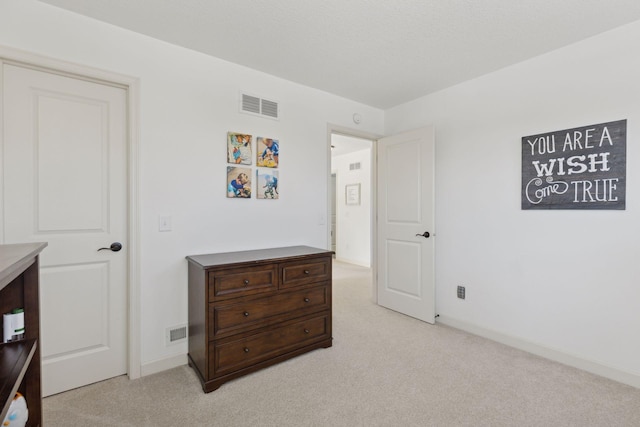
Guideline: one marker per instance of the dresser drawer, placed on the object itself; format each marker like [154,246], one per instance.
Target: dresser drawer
[243,281]
[234,354]
[226,318]
[303,272]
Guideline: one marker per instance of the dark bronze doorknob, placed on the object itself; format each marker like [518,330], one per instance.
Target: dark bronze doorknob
[425,234]
[115,247]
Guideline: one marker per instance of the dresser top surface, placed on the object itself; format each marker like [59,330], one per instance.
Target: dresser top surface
[271,254]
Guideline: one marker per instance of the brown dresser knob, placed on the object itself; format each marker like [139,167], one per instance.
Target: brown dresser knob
[246,349]
[306,299]
[246,314]
[306,331]
[246,282]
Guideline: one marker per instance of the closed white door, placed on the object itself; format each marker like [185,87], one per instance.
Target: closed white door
[65,183]
[405,268]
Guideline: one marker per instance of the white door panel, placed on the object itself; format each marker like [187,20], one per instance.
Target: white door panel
[405,212]
[59,207]
[403,183]
[87,283]
[403,281]
[65,180]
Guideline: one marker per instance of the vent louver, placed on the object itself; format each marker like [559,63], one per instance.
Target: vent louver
[270,108]
[250,104]
[258,106]
[354,166]
[176,334]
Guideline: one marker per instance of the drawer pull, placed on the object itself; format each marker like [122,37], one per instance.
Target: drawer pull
[246,349]
[306,299]
[307,272]
[246,282]
[306,331]
[246,314]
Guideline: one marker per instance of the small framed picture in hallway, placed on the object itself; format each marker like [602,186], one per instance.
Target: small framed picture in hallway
[352,194]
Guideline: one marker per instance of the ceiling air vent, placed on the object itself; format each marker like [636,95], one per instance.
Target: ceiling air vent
[258,106]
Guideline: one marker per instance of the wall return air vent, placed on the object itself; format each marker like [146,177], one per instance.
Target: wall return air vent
[258,106]
[176,334]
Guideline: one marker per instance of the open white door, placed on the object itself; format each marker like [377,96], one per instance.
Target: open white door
[405,191]
[65,183]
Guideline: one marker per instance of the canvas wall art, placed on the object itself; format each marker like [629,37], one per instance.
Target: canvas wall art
[268,152]
[238,182]
[577,168]
[267,184]
[239,148]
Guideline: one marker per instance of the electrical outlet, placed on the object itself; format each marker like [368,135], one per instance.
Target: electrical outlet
[461,292]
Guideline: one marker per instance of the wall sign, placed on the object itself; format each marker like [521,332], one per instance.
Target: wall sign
[579,168]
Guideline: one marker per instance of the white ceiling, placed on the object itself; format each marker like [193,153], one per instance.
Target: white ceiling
[378,52]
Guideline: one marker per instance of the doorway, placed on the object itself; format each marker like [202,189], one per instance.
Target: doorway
[351,198]
[393,275]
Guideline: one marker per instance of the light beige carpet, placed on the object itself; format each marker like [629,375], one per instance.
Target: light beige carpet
[384,369]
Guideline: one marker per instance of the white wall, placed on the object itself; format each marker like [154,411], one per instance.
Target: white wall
[564,283]
[188,103]
[353,222]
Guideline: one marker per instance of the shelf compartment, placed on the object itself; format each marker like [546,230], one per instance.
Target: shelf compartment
[15,358]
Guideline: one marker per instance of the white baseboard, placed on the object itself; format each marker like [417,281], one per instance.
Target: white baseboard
[615,374]
[163,364]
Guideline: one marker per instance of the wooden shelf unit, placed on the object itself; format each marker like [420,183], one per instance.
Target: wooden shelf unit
[20,363]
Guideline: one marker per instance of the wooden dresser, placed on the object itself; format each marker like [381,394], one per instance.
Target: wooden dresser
[252,309]
[20,360]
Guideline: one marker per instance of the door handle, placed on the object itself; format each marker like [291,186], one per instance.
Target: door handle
[425,235]
[115,247]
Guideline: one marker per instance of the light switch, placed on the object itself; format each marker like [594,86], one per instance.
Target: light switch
[164,223]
